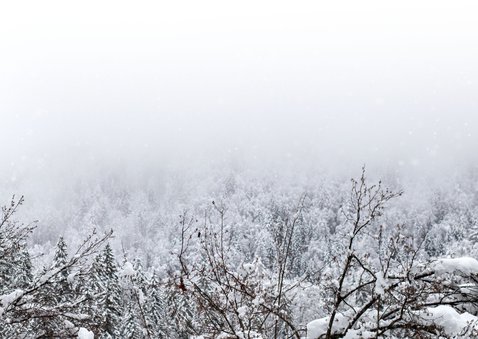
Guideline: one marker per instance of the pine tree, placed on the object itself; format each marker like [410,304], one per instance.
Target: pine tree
[129,328]
[15,270]
[110,292]
[139,293]
[104,294]
[25,276]
[180,310]
[155,308]
[57,291]
[15,273]
[60,286]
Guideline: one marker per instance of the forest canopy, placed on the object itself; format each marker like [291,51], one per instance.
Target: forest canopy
[344,261]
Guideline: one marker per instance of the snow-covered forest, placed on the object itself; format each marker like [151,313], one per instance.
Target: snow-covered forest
[262,169]
[249,259]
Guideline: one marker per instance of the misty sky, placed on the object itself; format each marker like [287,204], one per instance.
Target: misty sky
[335,83]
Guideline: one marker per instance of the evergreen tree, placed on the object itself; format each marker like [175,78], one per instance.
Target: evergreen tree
[56,291]
[60,285]
[155,308]
[107,284]
[129,328]
[16,273]
[15,270]
[25,276]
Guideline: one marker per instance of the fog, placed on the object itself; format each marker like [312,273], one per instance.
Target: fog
[238,169]
[153,87]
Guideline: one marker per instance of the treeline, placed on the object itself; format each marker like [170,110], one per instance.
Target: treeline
[325,265]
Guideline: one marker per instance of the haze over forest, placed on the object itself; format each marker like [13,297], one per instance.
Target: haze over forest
[256,86]
[111,113]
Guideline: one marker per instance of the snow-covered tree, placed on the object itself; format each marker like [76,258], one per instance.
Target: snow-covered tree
[40,304]
[105,290]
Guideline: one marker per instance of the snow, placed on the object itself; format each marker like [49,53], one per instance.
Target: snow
[249,268]
[242,311]
[257,301]
[469,289]
[48,275]
[71,277]
[68,324]
[318,327]
[7,299]
[83,333]
[77,316]
[464,265]
[245,269]
[128,270]
[359,334]
[240,335]
[381,284]
[453,323]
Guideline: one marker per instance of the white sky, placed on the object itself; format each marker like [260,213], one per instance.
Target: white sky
[330,82]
